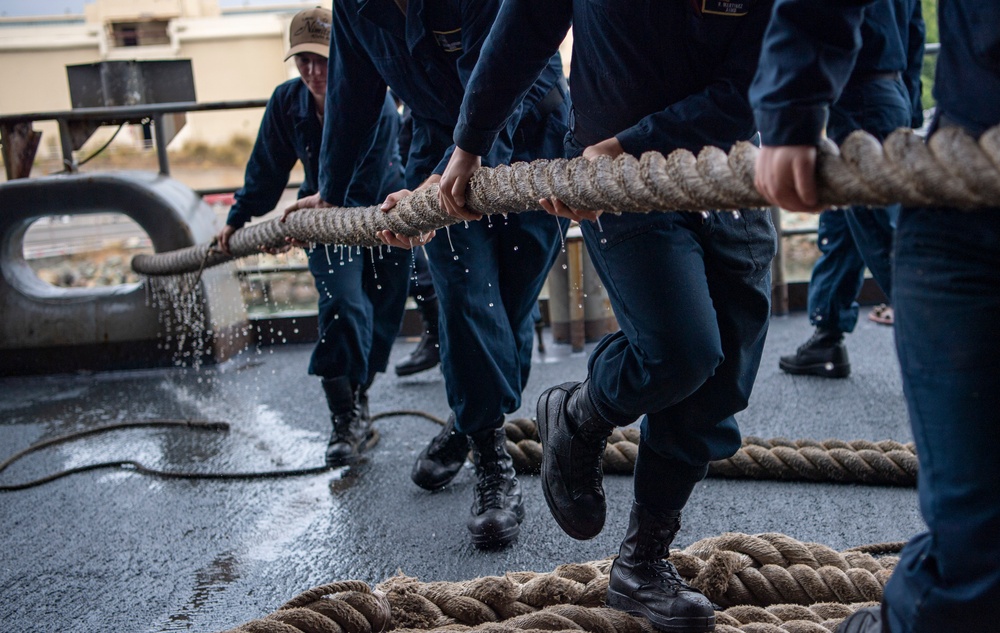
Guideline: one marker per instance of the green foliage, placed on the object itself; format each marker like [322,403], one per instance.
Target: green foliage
[930,18]
[927,75]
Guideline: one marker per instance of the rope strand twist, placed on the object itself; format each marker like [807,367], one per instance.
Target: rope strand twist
[771,583]
[950,169]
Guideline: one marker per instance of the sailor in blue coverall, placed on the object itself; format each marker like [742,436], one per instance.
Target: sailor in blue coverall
[946,289]
[426,354]
[487,274]
[882,94]
[362,296]
[691,291]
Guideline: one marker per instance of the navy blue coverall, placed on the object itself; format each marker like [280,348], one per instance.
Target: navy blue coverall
[361,303]
[947,295]
[487,274]
[691,292]
[882,94]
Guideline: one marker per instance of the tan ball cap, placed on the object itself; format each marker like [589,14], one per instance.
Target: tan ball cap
[310,32]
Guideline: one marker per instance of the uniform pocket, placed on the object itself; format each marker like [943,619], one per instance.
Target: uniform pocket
[745,242]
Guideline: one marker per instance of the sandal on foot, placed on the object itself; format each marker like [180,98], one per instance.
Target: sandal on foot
[882,314]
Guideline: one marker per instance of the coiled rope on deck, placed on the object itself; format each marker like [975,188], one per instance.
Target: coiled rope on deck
[950,169]
[885,462]
[770,583]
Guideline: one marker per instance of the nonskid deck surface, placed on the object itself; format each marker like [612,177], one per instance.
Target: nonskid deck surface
[131,552]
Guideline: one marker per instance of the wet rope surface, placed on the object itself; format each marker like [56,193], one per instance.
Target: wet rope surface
[767,583]
[950,169]
[886,462]
[860,461]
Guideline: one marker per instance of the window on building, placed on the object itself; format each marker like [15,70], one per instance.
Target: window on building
[146,33]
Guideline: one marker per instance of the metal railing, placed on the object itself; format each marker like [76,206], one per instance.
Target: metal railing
[20,140]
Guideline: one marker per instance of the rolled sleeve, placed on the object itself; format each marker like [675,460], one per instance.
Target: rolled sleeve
[475,141]
[800,125]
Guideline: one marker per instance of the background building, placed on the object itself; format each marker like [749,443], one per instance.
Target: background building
[235,54]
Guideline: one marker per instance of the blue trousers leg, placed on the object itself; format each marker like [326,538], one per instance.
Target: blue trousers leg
[361,301]
[487,276]
[947,335]
[836,276]
[692,297]
[872,231]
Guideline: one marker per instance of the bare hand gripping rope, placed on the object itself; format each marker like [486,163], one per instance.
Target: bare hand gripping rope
[950,169]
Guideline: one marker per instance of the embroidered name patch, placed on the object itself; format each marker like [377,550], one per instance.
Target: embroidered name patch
[313,29]
[726,7]
[449,41]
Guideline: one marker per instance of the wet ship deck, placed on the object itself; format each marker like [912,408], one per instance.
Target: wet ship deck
[113,550]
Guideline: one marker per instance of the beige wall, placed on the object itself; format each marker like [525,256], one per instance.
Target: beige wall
[103,10]
[232,57]
[34,80]
[238,69]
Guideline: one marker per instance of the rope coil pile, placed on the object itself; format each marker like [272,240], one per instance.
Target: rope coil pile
[768,583]
[886,462]
[950,169]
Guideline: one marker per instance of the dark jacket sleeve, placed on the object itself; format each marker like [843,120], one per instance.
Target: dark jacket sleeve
[808,54]
[526,34]
[270,163]
[915,63]
[355,93]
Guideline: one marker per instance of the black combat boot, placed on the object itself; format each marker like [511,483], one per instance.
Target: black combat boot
[867,620]
[643,583]
[352,431]
[573,438]
[441,460]
[497,511]
[362,399]
[363,410]
[822,355]
[426,355]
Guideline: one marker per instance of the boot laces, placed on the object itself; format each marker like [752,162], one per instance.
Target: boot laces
[666,575]
[587,461]
[449,445]
[442,439]
[490,487]
[347,426]
[818,339]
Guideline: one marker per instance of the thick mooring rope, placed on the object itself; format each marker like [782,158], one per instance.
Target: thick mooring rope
[859,461]
[886,462]
[950,169]
[771,583]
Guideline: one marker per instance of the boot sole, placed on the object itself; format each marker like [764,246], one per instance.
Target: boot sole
[622,602]
[498,540]
[823,370]
[409,371]
[541,419]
